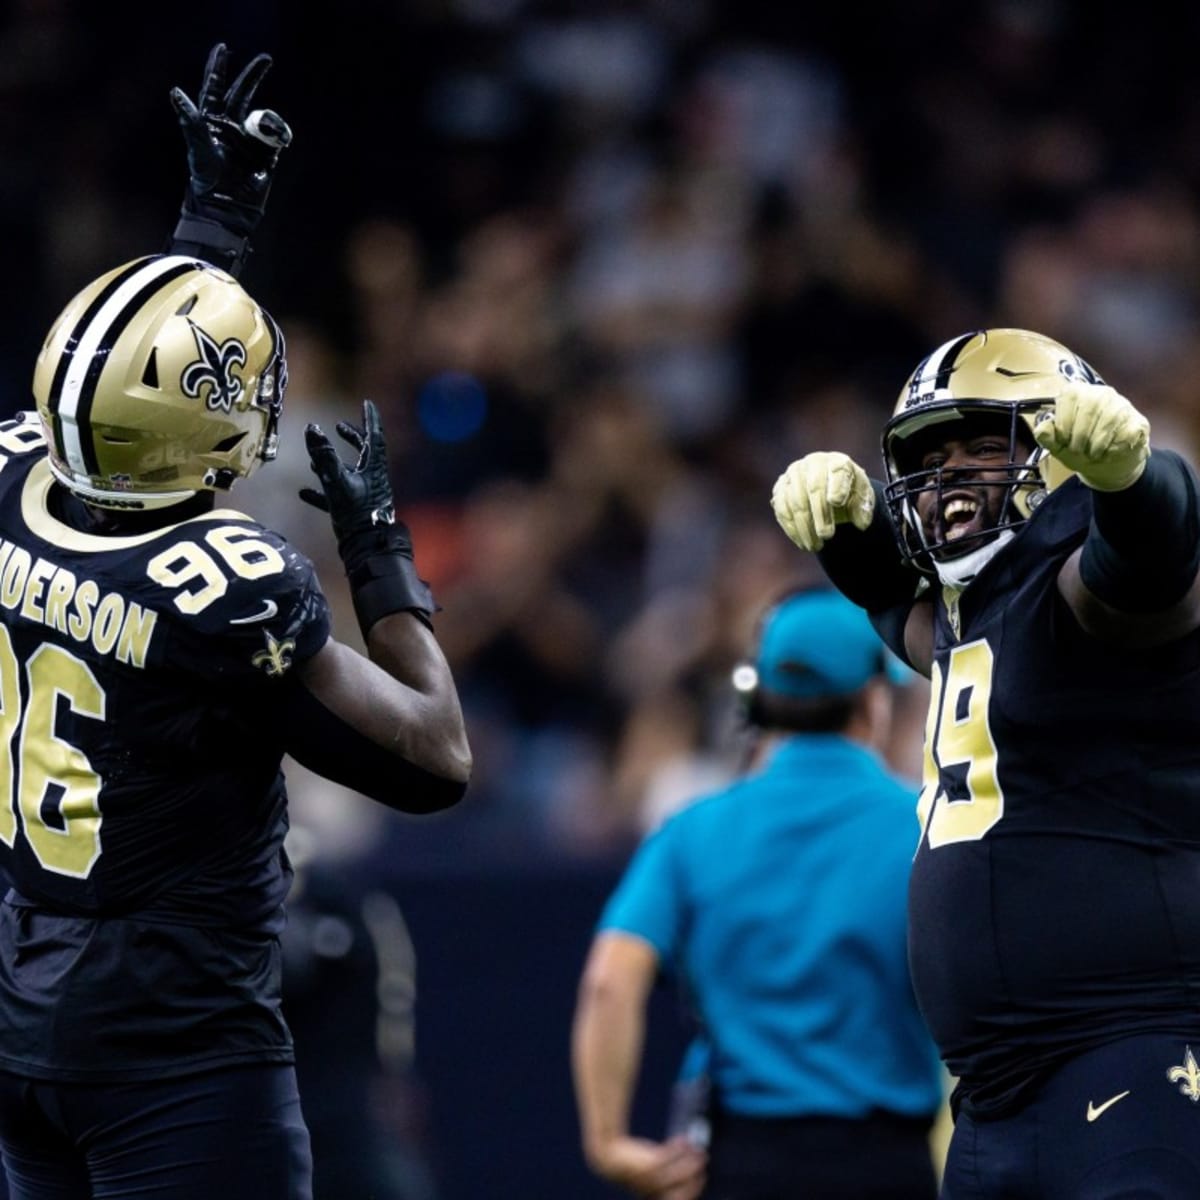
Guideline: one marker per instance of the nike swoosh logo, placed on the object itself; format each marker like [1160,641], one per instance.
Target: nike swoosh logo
[1097,1110]
[270,608]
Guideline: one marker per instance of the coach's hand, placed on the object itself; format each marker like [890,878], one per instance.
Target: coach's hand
[232,149]
[819,492]
[1098,434]
[670,1170]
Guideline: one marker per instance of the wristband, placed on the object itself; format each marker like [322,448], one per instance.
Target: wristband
[209,240]
[388,583]
[383,577]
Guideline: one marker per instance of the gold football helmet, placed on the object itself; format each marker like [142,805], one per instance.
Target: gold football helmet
[160,379]
[999,377]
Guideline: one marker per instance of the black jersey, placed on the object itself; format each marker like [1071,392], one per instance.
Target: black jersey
[1055,895]
[142,810]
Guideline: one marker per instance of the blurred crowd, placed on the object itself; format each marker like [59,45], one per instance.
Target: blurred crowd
[608,267]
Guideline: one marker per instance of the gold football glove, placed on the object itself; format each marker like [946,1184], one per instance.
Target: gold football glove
[1098,434]
[819,492]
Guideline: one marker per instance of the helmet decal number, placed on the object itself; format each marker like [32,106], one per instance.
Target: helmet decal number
[214,371]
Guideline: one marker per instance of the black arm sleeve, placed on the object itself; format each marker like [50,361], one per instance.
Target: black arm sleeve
[865,565]
[1142,550]
[321,741]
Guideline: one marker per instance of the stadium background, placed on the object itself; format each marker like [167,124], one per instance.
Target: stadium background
[607,268]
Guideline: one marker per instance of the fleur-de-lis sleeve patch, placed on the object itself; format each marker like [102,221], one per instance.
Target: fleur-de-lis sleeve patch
[213,372]
[277,657]
[1187,1076]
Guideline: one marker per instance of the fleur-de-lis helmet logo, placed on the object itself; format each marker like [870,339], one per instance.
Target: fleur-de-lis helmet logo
[213,372]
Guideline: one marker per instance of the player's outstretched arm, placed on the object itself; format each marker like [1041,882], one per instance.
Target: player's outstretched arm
[1135,577]
[827,505]
[232,151]
[607,1038]
[389,726]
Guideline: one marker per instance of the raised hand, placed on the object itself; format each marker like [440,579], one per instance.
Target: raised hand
[357,496]
[232,149]
[1095,432]
[819,492]
[375,547]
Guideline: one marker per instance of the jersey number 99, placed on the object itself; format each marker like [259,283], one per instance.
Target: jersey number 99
[957,734]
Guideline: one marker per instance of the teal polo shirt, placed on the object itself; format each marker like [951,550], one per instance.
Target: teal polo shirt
[779,904]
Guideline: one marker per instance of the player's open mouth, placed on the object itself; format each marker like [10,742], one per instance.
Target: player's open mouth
[961,515]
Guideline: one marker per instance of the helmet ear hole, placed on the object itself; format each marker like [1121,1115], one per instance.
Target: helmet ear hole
[223,447]
[150,374]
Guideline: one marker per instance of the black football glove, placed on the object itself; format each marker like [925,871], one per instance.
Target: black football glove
[358,498]
[375,547]
[232,154]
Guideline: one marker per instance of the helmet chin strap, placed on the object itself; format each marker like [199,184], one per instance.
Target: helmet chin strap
[958,572]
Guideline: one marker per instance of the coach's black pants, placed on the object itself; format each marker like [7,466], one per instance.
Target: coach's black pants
[815,1158]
